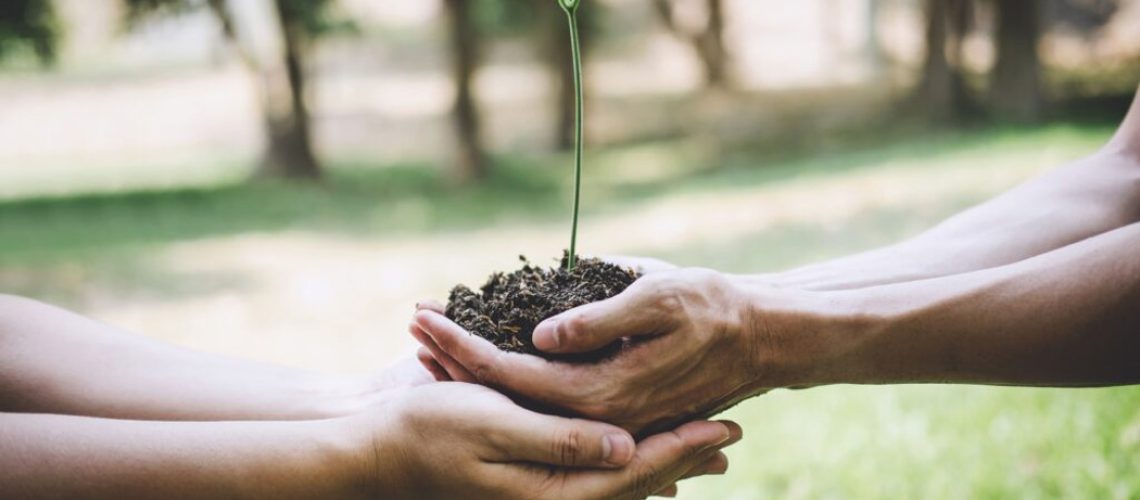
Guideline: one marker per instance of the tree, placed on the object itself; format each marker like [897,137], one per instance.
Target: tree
[282,79]
[466,44]
[29,24]
[290,150]
[941,93]
[1015,88]
[873,47]
[707,40]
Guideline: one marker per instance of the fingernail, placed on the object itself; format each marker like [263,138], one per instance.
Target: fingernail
[617,449]
[734,431]
[723,438]
[716,469]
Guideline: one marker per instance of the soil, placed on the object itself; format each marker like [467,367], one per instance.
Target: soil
[509,306]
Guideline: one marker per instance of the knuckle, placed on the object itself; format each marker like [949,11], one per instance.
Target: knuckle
[669,300]
[665,293]
[569,447]
[574,326]
[486,372]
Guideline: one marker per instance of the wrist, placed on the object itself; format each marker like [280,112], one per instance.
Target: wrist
[335,397]
[339,461]
[795,338]
[377,441]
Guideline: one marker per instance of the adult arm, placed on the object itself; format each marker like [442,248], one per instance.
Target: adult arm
[54,361]
[1070,317]
[1085,198]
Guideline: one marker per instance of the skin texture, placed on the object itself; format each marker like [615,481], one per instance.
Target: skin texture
[90,411]
[54,361]
[1039,286]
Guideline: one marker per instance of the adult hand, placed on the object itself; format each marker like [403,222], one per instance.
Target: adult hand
[453,440]
[689,351]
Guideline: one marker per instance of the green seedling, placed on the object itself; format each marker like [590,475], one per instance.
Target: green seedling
[571,8]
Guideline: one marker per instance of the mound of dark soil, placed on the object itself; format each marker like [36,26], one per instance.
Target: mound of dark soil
[509,306]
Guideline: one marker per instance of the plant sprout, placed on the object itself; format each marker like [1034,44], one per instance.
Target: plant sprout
[571,8]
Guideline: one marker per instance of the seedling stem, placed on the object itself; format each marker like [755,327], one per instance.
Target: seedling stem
[571,8]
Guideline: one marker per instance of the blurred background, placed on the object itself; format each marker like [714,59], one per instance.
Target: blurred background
[283,179]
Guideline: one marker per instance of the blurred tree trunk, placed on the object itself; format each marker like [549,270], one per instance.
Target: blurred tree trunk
[1015,91]
[707,42]
[290,152]
[876,58]
[465,48]
[942,93]
[711,47]
[556,47]
[285,114]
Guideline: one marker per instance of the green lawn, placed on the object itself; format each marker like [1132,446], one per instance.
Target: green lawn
[834,442]
[935,442]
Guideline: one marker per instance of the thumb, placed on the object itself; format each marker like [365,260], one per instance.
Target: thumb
[641,310]
[564,442]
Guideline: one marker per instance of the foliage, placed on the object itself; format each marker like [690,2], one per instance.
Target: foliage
[139,10]
[393,200]
[29,24]
[505,17]
[315,17]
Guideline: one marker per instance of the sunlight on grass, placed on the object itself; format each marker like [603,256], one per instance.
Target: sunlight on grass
[933,442]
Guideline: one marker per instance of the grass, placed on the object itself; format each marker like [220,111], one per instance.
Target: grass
[835,442]
[934,442]
[393,200]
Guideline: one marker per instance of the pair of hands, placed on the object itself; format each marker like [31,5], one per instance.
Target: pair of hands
[691,351]
[460,440]
[456,440]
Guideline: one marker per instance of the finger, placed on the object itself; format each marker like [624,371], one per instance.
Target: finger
[527,436]
[429,363]
[520,373]
[715,465]
[430,305]
[660,460]
[454,370]
[735,431]
[668,492]
[642,309]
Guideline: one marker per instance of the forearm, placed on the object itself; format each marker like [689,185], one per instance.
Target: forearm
[53,361]
[52,456]
[1070,317]
[1086,198]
